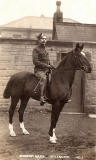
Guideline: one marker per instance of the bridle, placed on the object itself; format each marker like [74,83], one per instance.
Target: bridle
[81,67]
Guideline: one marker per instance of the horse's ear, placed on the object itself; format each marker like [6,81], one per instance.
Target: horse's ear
[82,46]
[79,45]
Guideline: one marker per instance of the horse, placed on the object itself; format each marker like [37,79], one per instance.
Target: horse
[21,87]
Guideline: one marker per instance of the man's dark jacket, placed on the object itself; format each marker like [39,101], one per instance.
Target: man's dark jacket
[40,59]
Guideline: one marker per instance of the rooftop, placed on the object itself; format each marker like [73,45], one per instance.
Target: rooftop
[34,22]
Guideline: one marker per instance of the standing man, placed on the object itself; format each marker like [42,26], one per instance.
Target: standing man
[41,62]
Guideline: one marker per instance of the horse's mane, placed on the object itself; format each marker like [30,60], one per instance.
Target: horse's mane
[62,62]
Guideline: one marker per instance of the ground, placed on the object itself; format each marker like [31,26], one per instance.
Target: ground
[76,137]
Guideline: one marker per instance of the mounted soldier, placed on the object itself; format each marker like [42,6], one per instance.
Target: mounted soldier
[21,85]
[42,63]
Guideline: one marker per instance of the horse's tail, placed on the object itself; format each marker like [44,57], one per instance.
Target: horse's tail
[7,90]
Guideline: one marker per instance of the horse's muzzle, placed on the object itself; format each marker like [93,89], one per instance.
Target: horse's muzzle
[87,69]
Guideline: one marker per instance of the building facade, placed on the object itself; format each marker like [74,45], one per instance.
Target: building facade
[16,46]
[84,88]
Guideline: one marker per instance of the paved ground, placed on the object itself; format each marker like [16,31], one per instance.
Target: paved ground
[76,137]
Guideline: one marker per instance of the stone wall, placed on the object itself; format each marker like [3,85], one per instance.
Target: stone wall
[90,80]
[23,33]
[16,56]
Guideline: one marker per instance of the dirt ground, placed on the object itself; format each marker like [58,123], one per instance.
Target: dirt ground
[76,138]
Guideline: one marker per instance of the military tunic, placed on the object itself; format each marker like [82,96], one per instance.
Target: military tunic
[40,59]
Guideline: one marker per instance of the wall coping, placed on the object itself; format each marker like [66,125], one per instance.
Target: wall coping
[49,42]
[13,29]
[76,24]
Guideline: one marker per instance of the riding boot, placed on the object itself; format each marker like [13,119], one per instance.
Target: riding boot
[42,100]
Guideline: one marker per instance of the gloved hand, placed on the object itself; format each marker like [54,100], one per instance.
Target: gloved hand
[51,67]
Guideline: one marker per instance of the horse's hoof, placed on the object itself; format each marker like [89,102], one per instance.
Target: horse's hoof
[26,132]
[52,140]
[13,134]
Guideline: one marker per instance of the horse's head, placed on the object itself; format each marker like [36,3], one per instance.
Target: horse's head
[80,60]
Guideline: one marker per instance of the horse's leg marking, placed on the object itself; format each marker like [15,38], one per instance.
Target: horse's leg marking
[54,135]
[12,133]
[23,128]
[53,138]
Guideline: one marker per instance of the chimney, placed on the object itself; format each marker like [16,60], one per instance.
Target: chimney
[57,18]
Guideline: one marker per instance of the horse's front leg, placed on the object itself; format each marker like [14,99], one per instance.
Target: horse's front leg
[53,138]
[56,109]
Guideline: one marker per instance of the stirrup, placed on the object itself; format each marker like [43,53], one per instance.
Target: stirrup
[42,101]
[68,101]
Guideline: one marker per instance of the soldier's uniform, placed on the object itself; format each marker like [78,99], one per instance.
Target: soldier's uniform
[41,61]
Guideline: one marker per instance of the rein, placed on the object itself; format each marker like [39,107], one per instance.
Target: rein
[69,69]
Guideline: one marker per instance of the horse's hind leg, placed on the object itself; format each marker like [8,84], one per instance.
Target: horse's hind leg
[14,101]
[24,101]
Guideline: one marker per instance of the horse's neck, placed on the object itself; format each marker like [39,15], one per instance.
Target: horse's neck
[66,76]
[65,72]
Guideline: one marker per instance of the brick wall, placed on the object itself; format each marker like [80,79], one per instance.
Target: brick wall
[16,56]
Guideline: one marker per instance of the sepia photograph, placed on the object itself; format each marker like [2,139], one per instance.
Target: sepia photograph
[47,79]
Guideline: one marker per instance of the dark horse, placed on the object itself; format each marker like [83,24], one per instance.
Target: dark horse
[21,87]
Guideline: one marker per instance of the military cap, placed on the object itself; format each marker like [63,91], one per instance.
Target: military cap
[41,35]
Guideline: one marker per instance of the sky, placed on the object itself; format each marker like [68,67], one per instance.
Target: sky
[83,11]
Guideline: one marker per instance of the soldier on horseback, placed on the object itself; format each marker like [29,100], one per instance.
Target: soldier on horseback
[42,63]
